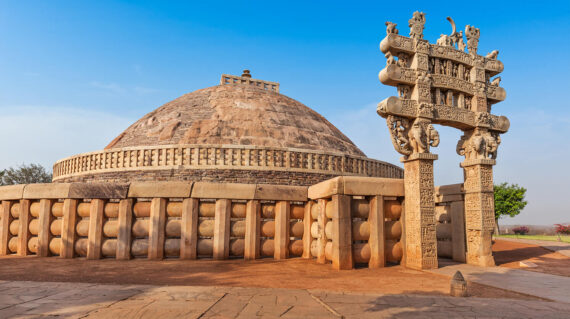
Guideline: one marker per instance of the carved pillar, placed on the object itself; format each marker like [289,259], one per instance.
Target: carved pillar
[479,210]
[421,242]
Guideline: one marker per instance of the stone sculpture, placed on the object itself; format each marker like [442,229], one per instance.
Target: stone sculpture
[472,35]
[442,84]
[391,28]
[416,24]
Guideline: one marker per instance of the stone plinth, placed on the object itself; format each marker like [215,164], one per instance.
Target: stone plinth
[479,210]
[421,241]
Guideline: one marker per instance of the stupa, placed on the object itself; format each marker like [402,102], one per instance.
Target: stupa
[240,131]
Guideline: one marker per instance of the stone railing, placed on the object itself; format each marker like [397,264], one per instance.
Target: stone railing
[450,221]
[153,220]
[242,80]
[355,220]
[186,220]
[221,157]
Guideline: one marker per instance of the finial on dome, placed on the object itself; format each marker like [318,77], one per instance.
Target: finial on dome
[246,74]
[245,79]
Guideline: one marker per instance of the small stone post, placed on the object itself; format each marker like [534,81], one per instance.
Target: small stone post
[458,285]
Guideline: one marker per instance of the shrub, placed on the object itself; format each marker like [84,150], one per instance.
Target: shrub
[562,229]
[522,230]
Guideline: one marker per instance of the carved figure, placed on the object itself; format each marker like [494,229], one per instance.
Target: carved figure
[422,135]
[398,131]
[391,28]
[496,81]
[416,24]
[460,42]
[389,58]
[493,141]
[402,60]
[433,136]
[493,55]
[478,144]
[404,91]
[472,35]
[449,40]
[418,138]
[444,40]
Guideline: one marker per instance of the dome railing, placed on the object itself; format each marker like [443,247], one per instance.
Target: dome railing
[239,157]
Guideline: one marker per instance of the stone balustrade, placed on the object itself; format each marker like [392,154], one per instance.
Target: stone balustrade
[355,220]
[187,220]
[204,157]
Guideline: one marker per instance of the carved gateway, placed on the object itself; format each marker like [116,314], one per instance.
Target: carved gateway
[445,83]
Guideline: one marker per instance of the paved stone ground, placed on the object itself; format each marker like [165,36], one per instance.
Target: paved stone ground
[559,247]
[545,286]
[22,299]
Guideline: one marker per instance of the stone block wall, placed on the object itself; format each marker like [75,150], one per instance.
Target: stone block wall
[450,222]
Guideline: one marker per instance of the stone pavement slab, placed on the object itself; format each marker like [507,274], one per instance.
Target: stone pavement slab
[559,247]
[545,286]
[80,300]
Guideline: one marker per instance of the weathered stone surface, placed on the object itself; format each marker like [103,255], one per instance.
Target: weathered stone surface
[237,115]
[12,192]
[46,191]
[356,185]
[223,190]
[98,190]
[160,189]
[281,192]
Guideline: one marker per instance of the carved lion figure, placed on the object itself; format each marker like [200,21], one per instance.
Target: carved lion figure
[493,55]
[391,28]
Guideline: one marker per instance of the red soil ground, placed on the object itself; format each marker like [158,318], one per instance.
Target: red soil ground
[291,273]
[509,254]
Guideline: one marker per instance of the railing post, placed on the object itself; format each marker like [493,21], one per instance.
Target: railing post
[189,229]
[252,230]
[68,232]
[322,240]
[221,249]
[377,237]
[156,232]
[341,233]
[5,227]
[124,237]
[44,233]
[307,223]
[95,237]
[282,227]
[24,230]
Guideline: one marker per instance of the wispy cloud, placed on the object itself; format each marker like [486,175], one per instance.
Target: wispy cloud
[44,134]
[144,91]
[112,87]
[118,89]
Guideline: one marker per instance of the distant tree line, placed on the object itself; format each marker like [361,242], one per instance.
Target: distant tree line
[25,174]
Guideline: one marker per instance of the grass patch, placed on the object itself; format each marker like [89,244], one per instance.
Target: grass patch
[563,238]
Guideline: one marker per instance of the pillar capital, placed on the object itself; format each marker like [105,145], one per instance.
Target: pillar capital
[473,162]
[419,156]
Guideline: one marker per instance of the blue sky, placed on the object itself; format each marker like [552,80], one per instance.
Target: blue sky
[74,74]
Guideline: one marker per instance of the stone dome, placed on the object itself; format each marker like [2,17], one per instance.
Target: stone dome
[236,115]
[241,131]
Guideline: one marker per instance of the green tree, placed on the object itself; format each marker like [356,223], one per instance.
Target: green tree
[25,174]
[509,201]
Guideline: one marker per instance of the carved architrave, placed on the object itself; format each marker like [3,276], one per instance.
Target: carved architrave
[442,84]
